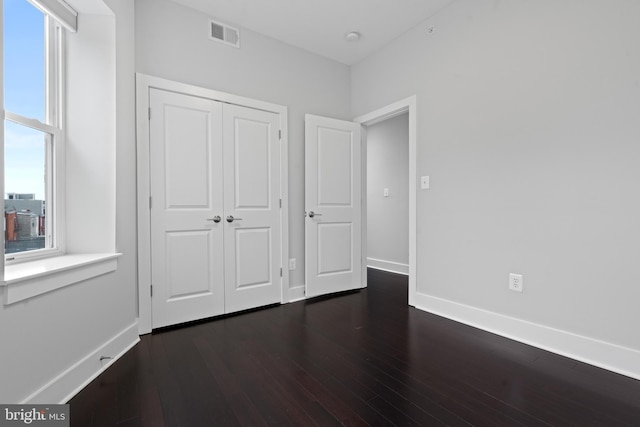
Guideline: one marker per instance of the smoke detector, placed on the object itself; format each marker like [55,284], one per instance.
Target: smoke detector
[352,36]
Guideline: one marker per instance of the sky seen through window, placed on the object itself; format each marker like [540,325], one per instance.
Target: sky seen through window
[24,94]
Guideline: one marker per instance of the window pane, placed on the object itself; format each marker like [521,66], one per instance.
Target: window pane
[25,185]
[24,59]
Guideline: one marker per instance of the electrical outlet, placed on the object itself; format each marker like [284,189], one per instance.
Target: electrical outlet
[516,283]
[292,264]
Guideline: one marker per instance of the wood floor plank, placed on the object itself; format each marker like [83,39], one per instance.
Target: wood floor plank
[244,410]
[290,371]
[357,358]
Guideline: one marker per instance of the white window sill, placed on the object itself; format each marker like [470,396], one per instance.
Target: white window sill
[32,278]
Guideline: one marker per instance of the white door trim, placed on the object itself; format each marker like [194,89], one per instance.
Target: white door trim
[387,112]
[143,84]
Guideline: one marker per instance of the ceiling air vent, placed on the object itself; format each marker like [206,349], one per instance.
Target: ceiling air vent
[224,33]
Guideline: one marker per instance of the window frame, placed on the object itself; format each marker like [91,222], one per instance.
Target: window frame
[37,273]
[54,153]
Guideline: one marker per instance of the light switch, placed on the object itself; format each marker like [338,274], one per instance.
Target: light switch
[424,182]
[385,192]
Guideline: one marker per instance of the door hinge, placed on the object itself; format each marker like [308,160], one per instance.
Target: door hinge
[151,288]
[280,271]
[149,202]
[280,203]
[280,134]
[149,113]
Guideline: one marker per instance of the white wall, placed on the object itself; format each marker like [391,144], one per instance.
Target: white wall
[388,217]
[51,343]
[172,42]
[125,148]
[91,63]
[528,126]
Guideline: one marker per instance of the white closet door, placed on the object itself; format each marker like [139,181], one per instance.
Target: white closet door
[187,195]
[333,225]
[252,208]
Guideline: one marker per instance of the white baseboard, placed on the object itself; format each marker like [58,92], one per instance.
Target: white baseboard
[69,382]
[622,360]
[393,267]
[297,293]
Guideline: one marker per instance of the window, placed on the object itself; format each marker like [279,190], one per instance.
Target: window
[32,129]
[59,153]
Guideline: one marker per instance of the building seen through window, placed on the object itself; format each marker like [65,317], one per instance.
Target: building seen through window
[24,222]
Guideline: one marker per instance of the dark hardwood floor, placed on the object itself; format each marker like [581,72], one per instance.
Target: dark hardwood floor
[362,358]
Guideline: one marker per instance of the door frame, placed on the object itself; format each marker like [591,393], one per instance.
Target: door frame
[406,105]
[144,83]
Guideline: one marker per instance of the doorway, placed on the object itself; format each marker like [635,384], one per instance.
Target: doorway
[404,106]
[341,147]
[215,215]
[387,147]
[212,203]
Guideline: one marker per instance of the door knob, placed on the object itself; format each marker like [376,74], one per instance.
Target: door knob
[312,214]
[215,219]
[230,219]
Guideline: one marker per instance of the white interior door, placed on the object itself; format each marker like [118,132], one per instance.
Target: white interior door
[333,224]
[186,242]
[252,208]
